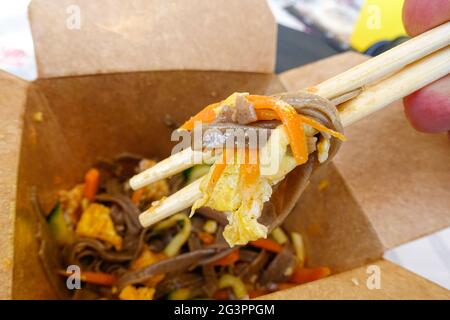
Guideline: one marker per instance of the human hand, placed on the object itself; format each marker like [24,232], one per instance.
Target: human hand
[428,109]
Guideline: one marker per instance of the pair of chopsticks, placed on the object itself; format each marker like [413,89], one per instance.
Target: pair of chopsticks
[357,92]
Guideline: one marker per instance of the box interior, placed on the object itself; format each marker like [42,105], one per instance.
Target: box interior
[88,118]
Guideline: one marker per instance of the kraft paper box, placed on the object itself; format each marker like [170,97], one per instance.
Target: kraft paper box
[108,85]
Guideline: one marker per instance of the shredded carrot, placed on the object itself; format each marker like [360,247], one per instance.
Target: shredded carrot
[319,127]
[267,115]
[100,278]
[219,167]
[207,115]
[290,120]
[91,183]
[229,259]
[221,294]
[249,172]
[206,237]
[267,244]
[304,275]
[137,195]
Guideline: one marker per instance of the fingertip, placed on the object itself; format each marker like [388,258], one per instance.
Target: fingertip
[428,109]
[420,16]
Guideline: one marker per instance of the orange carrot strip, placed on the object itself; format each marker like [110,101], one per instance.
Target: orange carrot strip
[100,278]
[291,121]
[267,244]
[219,167]
[229,259]
[207,115]
[266,115]
[249,172]
[137,195]
[296,135]
[206,237]
[91,183]
[304,275]
[316,125]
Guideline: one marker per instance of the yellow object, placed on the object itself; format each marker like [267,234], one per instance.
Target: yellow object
[180,238]
[132,293]
[210,226]
[180,294]
[299,247]
[96,223]
[279,236]
[230,281]
[242,212]
[378,20]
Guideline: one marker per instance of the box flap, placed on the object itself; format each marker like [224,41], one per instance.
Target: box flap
[12,104]
[399,177]
[395,283]
[142,35]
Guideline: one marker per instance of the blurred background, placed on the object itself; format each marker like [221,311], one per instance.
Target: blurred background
[308,30]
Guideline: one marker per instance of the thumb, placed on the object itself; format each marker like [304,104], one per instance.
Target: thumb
[428,109]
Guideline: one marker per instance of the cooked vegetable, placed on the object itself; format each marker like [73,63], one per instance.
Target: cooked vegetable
[95,222]
[59,228]
[290,120]
[180,294]
[229,259]
[210,226]
[180,239]
[230,281]
[196,172]
[137,195]
[267,244]
[207,115]
[100,278]
[133,293]
[206,237]
[304,275]
[279,236]
[91,183]
[299,247]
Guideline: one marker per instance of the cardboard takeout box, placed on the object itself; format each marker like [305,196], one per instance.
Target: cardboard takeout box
[109,87]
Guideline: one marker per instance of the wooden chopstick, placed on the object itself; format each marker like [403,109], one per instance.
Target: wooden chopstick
[177,202]
[385,64]
[342,87]
[170,166]
[371,99]
[397,86]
